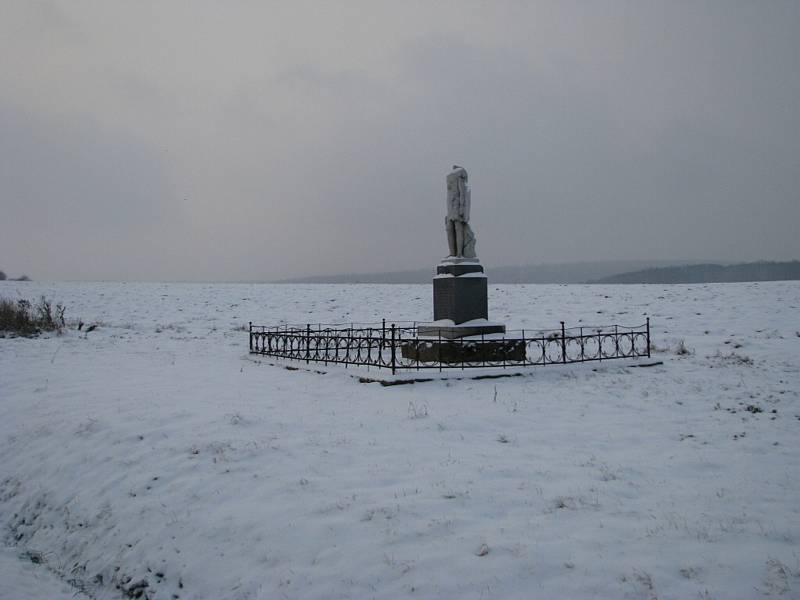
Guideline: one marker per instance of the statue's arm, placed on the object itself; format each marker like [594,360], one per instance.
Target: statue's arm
[462,197]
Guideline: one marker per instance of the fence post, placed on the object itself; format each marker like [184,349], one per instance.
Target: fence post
[251,337]
[393,350]
[439,346]
[383,338]
[600,345]
[648,337]
[308,342]
[563,344]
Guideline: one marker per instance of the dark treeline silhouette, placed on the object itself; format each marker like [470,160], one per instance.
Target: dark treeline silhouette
[572,272]
[711,273]
[3,277]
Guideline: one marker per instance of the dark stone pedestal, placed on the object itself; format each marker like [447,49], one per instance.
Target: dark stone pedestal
[447,332]
[460,294]
[464,351]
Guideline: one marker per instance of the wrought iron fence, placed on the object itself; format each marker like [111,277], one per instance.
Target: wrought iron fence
[399,346]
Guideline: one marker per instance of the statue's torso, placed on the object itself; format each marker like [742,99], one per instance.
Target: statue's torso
[457,196]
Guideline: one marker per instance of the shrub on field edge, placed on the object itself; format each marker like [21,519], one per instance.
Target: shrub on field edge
[22,317]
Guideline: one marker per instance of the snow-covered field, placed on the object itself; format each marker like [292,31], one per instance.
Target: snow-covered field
[154,450]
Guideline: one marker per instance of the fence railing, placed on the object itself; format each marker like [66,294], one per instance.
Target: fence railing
[398,346]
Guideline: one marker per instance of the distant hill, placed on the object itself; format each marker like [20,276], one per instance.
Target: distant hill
[575,272]
[710,273]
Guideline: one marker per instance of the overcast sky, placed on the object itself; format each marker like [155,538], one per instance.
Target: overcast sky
[253,141]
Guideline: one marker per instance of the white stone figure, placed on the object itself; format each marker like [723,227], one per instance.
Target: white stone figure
[460,237]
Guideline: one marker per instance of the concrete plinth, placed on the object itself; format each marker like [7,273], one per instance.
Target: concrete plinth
[464,351]
[451,332]
[460,293]
[460,301]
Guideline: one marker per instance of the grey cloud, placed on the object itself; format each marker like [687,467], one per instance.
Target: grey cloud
[77,172]
[257,142]
[74,193]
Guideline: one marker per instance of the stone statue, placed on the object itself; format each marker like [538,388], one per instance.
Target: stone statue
[460,237]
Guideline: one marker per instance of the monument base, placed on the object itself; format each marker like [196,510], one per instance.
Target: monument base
[463,351]
[460,301]
[446,329]
[460,291]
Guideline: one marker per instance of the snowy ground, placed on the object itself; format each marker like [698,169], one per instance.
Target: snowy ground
[21,579]
[155,450]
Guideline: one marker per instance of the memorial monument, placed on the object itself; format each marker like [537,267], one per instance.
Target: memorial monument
[460,287]
[461,336]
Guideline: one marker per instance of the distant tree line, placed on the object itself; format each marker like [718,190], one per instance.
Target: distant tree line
[3,277]
[711,273]
[568,272]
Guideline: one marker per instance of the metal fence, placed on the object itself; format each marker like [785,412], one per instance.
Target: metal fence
[398,346]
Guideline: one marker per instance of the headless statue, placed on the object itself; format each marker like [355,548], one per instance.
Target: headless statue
[460,237]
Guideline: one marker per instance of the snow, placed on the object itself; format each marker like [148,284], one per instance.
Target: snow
[155,449]
[459,260]
[451,323]
[447,275]
[20,579]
